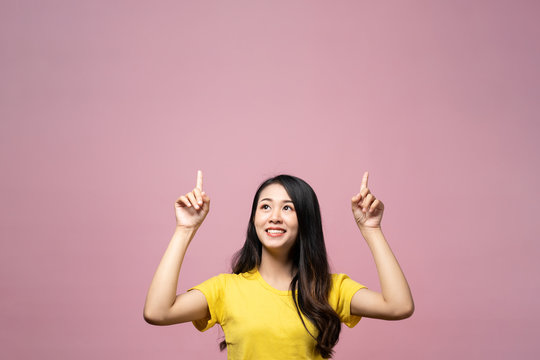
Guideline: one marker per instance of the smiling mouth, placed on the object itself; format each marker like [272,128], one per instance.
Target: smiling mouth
[274,233]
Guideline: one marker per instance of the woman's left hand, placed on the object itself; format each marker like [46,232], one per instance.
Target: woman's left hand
[367,210]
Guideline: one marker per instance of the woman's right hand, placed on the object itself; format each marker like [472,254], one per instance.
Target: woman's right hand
[191,208]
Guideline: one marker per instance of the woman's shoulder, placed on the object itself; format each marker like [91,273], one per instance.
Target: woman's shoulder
[341,280]
[339,276]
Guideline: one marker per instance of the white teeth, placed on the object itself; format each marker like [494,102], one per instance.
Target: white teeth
[275,231]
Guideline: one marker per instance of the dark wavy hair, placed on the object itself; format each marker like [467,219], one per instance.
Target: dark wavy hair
[312,279]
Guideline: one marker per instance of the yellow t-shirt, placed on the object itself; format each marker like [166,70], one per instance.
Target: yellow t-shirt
[261,322]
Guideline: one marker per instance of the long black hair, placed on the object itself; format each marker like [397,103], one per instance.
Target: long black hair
[312,279]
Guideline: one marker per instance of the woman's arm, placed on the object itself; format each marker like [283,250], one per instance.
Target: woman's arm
[163,306]
[395,302]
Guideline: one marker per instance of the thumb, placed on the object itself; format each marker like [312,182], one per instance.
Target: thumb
[206,198]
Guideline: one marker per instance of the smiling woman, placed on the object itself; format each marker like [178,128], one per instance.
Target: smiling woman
[275,220]
[280,301]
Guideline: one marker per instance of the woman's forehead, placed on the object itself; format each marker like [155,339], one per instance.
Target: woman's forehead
[274,192]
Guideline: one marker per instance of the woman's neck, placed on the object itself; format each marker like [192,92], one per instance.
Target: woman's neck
[276,269]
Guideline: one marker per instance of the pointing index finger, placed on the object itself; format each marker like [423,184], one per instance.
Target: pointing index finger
[364,181]
[199,180]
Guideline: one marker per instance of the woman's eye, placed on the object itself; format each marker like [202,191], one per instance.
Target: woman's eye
[287,207]
[265,207]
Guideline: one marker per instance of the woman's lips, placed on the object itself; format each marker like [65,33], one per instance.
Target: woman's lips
[275,233]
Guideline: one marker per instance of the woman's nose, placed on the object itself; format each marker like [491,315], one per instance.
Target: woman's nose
[276,215]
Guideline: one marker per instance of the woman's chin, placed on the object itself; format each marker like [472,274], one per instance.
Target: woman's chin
[276,246]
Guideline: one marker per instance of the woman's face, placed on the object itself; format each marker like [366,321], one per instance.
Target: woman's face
[275,219]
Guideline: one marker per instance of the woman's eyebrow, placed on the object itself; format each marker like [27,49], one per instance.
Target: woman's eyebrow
[283,201]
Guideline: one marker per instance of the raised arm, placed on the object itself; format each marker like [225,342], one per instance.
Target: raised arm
[163,306]
[395,302]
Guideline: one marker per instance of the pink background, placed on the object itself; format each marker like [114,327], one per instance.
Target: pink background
[108,108]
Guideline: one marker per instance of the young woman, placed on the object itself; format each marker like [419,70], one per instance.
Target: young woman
[281,301]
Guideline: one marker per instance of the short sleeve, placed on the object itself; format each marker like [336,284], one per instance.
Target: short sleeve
[343,289]
[213,292]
